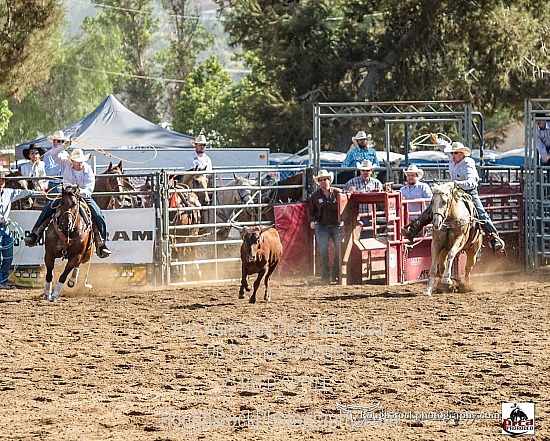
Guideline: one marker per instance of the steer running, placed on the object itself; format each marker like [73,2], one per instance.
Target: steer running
[260,253]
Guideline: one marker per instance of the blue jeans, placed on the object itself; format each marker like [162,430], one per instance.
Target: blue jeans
[323,233]
[6,254]
[97,215]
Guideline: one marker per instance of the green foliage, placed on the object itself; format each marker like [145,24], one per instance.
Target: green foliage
[28,42]
[75,87]
[5,115]
[356,50]
[198,110]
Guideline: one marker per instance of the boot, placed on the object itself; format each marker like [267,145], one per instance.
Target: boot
[411,230]
[101,247]
[32,240]
[496,242]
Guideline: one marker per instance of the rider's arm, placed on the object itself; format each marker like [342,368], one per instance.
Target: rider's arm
[89,183]
[468,175]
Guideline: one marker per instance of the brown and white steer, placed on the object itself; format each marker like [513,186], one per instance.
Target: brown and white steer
[261,251]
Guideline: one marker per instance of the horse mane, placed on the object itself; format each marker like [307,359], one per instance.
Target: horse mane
[450,189]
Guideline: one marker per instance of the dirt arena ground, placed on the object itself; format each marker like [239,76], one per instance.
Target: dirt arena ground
[197,363]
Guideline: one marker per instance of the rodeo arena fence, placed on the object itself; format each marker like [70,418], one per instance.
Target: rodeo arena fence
[169,238]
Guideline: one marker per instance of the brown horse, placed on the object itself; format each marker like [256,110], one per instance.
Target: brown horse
[185,217]
[69,236]
[197,182]
[107,183]
[290,189]
[455,229]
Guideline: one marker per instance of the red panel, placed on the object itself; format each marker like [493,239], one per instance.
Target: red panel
[296,236]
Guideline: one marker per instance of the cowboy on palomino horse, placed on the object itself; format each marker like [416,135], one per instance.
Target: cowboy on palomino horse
[464,175]
[75,172]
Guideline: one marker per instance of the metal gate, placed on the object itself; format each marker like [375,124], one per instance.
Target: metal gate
[537,189]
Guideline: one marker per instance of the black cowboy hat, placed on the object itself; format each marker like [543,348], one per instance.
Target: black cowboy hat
[31,147]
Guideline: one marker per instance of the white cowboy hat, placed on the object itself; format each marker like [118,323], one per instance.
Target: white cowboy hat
[200,139]
[361,135]
[77,155]
[323,174]
[365,165]
[59,135]
[458,147]
[414,169]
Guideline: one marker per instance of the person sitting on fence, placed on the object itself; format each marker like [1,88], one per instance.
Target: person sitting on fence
[415,189]
[464,174]
[543,141]
[362,151]
[198,160]
[75,172]
[35,167]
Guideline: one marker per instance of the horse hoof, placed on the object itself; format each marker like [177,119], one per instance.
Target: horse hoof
[267,297]
[71,283]
[252,300]
[241,295]
[428,293]
[54,297]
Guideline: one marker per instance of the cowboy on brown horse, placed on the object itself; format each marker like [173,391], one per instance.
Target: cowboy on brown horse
[75,172]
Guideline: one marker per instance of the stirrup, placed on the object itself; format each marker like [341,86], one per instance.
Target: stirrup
[103,252]
[497,243]
[32,240]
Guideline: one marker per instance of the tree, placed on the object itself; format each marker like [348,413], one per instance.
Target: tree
[78,83]
[5,115]
[186,38]
[200,104]
[134,21]
[356,50]
[28,41]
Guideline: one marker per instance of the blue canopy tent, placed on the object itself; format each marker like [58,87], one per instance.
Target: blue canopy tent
[111,125]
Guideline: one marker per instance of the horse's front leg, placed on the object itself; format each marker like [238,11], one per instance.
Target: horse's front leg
[49,262]
[433,271]
[451,254]
[74,277]
[71,264]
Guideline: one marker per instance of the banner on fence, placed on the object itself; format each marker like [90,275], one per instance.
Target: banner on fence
[131,237]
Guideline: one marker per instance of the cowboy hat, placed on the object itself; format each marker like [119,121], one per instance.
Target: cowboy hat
[365,165]
[323,174]
[361,135]
[77,155]
[200,139]
[414,169]
[458,147]
[59,135]
[26,151]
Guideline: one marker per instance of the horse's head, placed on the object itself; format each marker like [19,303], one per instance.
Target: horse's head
[115,184]
[67,211]
[198,182]
[245,195]
[443,197]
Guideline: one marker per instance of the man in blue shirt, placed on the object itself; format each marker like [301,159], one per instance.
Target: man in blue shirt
[362,151]
[543,141]
[414,189]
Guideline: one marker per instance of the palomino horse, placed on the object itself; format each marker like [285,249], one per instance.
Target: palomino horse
[184,221]
[114,184]
[69,236]
[239,191]
[455,229]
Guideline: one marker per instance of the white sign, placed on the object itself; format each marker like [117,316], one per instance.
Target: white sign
[130,236]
